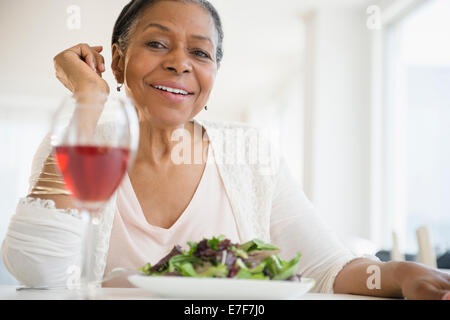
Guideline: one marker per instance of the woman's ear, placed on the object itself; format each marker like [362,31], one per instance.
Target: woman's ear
[117,63]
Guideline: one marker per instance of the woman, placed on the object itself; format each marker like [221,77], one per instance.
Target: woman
[166,54]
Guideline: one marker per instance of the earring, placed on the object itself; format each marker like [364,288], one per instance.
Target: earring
[119,87]
[206,107]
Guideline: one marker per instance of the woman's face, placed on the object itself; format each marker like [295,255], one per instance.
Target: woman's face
[172,47]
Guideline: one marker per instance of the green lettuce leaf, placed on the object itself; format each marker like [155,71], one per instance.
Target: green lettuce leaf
[219,271]
[192,247]
[215,241]
[257,244]
[247,274]
[176,261]
[186,269]
[273,264]
[288,269]
[146,268]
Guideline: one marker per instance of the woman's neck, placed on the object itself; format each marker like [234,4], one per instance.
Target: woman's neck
[157,144]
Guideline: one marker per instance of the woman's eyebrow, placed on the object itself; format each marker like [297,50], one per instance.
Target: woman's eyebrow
[165,29]
[199,37]
[157,25]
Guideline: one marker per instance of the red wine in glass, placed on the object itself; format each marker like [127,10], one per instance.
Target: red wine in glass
[95,139]
[92,173]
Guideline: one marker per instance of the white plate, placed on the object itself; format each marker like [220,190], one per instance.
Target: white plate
[218,288]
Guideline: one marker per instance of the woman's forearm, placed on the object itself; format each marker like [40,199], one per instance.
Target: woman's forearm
[49,187]
[368,277]
[42,246]
[393,279]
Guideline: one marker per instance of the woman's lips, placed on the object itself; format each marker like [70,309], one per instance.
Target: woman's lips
[174,97]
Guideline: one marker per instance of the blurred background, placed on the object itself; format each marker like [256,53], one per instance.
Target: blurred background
[356,93]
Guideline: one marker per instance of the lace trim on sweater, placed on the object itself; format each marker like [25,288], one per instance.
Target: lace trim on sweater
[48,204]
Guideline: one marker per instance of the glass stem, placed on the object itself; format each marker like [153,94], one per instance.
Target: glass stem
[88,280]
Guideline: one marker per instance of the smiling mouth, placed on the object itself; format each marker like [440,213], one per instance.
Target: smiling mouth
[172,90]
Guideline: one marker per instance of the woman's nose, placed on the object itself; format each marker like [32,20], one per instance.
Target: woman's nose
[177,61]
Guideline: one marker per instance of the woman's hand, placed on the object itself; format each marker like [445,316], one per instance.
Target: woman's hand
[80,68]
[418,281]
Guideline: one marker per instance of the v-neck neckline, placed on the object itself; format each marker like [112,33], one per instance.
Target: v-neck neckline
[186,211]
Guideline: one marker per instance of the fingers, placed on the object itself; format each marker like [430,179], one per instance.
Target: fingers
[92,57]
[97,48]
[446,296]
[73,65]
[88,56]
[100,62]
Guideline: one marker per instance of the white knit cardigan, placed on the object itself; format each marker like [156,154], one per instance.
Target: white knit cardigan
[43,242]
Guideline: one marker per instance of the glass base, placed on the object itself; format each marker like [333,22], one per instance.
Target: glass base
[91,206]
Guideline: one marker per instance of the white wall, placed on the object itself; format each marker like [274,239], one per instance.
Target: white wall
[337,104]
[33,32]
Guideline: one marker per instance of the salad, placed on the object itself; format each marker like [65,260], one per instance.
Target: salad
[218,257]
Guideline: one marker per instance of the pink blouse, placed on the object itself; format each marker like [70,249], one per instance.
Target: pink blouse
[134,241]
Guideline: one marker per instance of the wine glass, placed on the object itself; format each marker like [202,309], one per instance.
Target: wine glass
[95,139]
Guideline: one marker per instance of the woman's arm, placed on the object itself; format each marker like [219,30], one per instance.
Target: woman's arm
[295,227]
[79,69]
[392,279]
[49,185]
[42,244]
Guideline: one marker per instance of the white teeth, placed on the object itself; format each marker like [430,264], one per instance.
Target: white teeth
[179,91]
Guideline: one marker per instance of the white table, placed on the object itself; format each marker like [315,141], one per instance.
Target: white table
[10,293]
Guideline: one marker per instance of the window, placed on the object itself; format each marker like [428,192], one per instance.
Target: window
[416,133]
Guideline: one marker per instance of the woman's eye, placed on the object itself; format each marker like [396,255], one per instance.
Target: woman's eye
[201,54]
[155,44]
